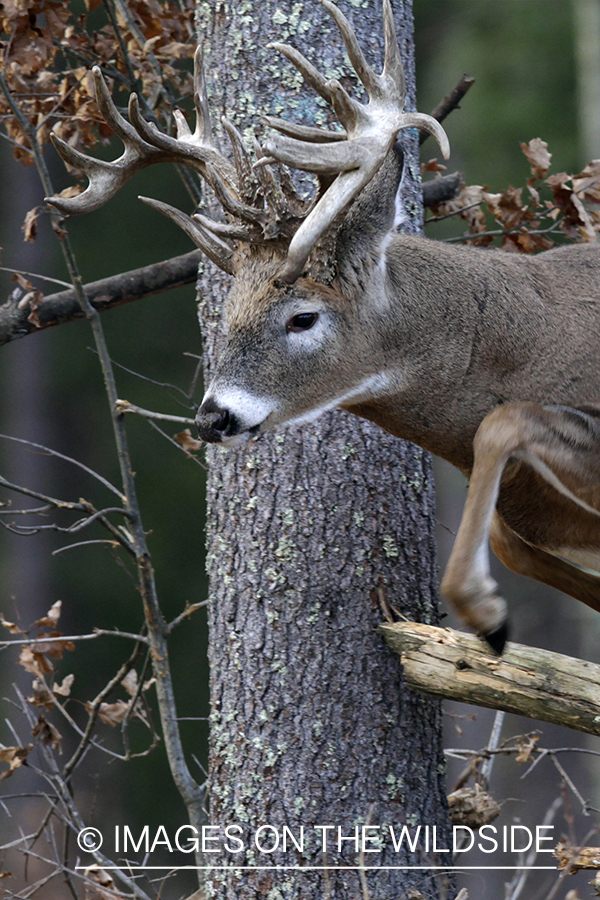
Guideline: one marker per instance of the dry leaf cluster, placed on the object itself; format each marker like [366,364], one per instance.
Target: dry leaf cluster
[47,51]
[532,216]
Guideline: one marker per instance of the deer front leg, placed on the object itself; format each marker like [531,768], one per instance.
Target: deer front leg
[467,583]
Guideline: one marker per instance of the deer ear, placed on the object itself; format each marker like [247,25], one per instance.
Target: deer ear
[375,213]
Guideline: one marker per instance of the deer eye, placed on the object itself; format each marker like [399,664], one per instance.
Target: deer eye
[301,322]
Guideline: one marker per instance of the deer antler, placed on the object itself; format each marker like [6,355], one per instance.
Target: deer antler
[263,207]
[370,132]
[145,145]
[250,197]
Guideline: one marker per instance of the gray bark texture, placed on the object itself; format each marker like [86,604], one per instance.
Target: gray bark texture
[310,722]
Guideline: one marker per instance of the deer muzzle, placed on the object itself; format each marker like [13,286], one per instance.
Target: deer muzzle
[229,412]
[215,423]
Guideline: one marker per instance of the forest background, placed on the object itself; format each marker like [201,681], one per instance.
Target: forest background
[531,64]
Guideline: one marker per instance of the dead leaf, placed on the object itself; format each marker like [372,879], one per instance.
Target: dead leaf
[22,281]
[10,626]
[73,190]
[187,441]
[557,179]
[587,183]
[538,156]
[54,648]
[526,242]
[433,166]
[34,300]
[13,757]
[103,886]
[472,807]
[35,662]
[29,226]
[177,50]
[52,616]
[576,221]
[41,696]
[507,207]
[112,713]
[47,733]
[130,682]
[64,689]
[526,744]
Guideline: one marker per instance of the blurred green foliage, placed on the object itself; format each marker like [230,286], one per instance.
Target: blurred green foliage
[521,54]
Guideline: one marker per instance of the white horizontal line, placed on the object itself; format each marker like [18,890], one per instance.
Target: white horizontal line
[432,868]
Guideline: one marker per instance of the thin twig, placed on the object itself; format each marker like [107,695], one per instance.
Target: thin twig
[35,275]
[124,406]
[188,611]
[69,459]
[100,632]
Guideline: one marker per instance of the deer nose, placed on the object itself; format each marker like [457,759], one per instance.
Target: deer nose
[214,422]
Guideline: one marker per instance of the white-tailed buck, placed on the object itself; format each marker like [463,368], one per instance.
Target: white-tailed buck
[490,360]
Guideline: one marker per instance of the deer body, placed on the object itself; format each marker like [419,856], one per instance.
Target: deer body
[468,330]
[488,359]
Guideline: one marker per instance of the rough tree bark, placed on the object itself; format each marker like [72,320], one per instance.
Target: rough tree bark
[310,722]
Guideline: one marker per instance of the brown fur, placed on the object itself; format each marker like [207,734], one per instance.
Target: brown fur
[486,354]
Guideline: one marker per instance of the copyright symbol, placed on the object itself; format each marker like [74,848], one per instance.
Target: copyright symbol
[89,839]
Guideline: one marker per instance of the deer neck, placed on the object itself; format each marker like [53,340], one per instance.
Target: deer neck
[456,351]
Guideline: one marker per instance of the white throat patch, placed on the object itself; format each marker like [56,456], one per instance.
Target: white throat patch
[370,387]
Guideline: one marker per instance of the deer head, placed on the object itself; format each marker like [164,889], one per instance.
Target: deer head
[293,311]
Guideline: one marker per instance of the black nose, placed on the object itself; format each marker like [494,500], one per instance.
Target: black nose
[214,423]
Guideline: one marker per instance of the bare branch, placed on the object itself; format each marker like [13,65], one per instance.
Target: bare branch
[55,309]
[440,190]
[450,102]
[100,632]
[50,452]
[525,680]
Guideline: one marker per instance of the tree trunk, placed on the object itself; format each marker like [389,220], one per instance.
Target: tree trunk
[310,722]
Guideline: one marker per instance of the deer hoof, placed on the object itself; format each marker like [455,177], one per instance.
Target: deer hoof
[497,638]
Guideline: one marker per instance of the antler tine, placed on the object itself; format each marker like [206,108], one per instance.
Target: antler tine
[217,250]
[274,196]
[203,120]
[339,196]
[310,74]
[392,66]
[371,131]
[322,158]
[355,54]
[146,144]
[187,147]
[234,207]
[105,178]
[243,164]
[309,133]
[230,231]
[109,111]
